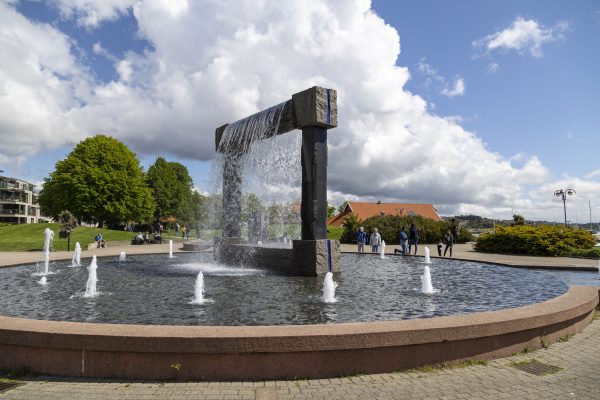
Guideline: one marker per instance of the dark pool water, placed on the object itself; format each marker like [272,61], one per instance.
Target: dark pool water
[153,289]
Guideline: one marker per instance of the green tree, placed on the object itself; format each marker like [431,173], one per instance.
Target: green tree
[251,204]
[101,181]
[330,211]
[518,220]
[68,221]
[172,189]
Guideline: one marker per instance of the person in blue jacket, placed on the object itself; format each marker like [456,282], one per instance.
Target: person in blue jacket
[403,242]
[361,239]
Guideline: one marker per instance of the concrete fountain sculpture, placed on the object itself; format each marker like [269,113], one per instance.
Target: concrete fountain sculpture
[314,111]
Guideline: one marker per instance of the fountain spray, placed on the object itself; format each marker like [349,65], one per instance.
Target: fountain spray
[199,289]
[382,251]
[426,285]
[48,237]
[427,259]
[76,262]
[90,286]
[329,287]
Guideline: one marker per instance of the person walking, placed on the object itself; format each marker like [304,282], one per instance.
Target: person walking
[375,241]
[449,242]
[413,237]
[361,239]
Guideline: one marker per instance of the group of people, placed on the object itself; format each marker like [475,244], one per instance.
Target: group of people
[185,231]
[407,241]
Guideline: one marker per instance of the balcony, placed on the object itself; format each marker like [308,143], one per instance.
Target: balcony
[10,185]
[13,199]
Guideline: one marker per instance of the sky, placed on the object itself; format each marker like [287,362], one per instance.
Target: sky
[478,107]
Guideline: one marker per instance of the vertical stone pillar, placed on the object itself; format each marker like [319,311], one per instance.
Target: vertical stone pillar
[232,196]
[314,183]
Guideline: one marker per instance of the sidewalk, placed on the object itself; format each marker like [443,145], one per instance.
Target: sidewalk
[465,252]
[16,257]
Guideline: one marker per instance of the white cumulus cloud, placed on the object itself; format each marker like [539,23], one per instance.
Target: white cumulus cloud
[458,89]
[523,35]
[434,78]
[215,62]
[90,13]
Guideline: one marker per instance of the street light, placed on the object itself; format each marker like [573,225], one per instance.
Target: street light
[563,194]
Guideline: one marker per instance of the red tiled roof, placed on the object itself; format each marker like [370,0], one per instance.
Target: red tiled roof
[367,210]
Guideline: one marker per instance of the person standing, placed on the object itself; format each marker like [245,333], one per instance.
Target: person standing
[361,239]
[176,229]
[375,241]
[183,230]
[413,237]
[449,242]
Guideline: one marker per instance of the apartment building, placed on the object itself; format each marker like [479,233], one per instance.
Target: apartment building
[18,202]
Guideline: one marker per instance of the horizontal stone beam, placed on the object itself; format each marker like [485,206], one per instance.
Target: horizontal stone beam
[316,106]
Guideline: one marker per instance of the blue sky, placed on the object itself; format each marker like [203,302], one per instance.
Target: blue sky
[549,106]
[490,105]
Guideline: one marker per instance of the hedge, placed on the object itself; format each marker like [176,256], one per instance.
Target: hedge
[389,227]
[544,240]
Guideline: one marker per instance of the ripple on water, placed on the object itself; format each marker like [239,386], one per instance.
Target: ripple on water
[156,289]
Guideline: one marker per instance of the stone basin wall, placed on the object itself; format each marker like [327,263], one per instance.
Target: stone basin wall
[271,352]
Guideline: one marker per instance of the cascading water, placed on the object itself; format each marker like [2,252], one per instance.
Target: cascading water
[269,173]
[426,285]
[76,261]
[382,250]
[122,256]
[90,286]
[170,249]
[199,289]
[43,281]
[241,135]
[329,287]
[427,259]
[48,237]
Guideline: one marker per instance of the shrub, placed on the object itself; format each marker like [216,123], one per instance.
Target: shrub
[389,227]
[594,252]
[544,240]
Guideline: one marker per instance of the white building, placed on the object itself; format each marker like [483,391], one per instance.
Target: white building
[18,202]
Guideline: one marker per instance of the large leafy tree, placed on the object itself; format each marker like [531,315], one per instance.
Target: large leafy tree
[101,181]
[172,188]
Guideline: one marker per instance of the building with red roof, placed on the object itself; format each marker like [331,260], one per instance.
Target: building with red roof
[367,210]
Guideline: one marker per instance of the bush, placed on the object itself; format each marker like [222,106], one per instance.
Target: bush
[389,227]
[594,252]
[542,240]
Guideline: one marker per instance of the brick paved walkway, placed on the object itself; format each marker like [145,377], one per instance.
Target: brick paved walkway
[579,378]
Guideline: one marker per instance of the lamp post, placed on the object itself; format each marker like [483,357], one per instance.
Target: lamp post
[563,194]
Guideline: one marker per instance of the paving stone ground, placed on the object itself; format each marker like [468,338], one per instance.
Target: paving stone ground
[579,378]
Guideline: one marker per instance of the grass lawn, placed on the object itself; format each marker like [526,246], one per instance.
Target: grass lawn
[30,237]
[334,232]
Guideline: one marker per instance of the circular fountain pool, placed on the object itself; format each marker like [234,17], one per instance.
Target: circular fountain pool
[155,289]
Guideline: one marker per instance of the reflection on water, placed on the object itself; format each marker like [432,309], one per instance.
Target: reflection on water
[154,289]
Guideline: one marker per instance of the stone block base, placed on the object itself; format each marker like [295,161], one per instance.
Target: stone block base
[305,258]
